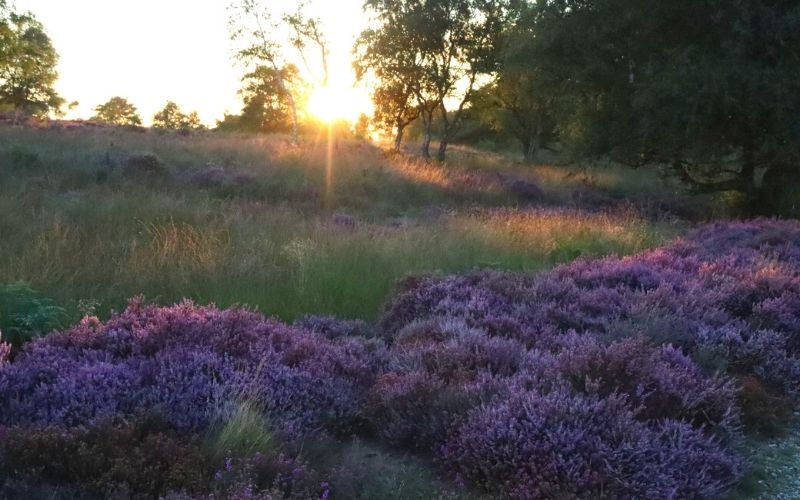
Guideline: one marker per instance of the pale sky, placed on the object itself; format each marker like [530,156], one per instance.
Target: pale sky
[151,51]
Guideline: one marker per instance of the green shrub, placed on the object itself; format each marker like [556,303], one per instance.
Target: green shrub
[23,157]
[24,314]
[365,472]
[763,411]
[141,459]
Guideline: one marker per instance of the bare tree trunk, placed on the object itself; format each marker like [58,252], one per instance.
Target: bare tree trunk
[441,156]
[425,150]
[398,138]
[747,174]
[295,131]
[534,143]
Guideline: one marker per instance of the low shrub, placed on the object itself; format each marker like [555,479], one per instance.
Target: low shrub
[417,411]
[763,410]
[22,157]
[564,445]
[364,472]
[143,166]
[334,328]
[140,459]
[25,314]
[186,363]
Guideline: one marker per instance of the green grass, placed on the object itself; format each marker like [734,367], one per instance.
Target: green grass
[78,231]
[241,435]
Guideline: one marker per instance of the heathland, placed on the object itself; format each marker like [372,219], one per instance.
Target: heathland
[382,326]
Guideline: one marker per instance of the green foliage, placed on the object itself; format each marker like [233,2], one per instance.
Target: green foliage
[267,101]
[24,314]
[364,472]
[431,51]
[172,118]
[22,157]
[241,434]
[27,65]
[117,111]
[709,88]
[259,229]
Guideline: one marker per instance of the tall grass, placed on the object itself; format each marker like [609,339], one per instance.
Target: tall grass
[273,243]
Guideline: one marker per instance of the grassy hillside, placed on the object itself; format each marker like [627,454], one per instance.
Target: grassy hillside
[91,217]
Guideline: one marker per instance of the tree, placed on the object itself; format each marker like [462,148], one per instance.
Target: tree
[27,65]
[436,48]
[466,35]
[361,127]
[172,118]
[709,88]
[308,30]
[522,100]
[386,55]
[117,111]
[268,99]
[254,25]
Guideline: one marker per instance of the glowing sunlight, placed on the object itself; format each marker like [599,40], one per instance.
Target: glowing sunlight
[330,104]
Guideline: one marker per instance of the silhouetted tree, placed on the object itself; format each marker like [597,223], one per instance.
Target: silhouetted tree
[27,65]
[267,102]
[117,111]
[438,49]
[172,118]
[710,88]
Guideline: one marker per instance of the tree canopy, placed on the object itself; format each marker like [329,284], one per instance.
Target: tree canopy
[268,97]
[710,88]
[117,111]
[27,65]
[172,118]
[433,51]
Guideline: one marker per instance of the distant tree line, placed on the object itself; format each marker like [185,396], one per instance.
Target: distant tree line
[709,90]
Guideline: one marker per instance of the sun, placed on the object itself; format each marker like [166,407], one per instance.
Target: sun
[330,104]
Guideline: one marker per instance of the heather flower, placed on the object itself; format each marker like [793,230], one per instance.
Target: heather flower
[561,444]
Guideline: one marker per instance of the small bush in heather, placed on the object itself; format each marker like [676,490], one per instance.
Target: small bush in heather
[417,411]
[266,476]
[23,157]
[453,351]
[5,352]
[659,382]
[214,176]
[24,314]
[364,472]
[141,458]
[763,411]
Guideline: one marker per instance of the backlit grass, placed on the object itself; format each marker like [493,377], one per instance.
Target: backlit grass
[76,230]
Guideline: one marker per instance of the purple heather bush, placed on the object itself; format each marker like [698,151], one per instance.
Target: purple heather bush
[729,289]
[565,445]
[186,363]
[334,328]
